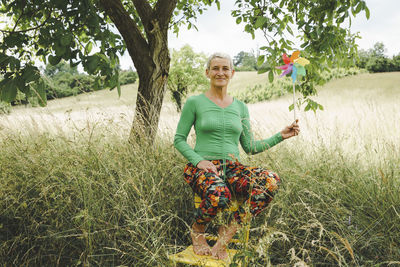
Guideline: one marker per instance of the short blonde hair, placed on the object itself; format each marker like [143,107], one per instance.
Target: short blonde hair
[220,55]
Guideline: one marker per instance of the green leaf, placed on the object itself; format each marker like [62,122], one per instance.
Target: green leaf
[119,88]
[59,49]
[262,70]
[66,39]
[4,59]
[238,20]
[260,22]
[13,40]
[88,48]
[40,90]
[54,60]
[260,60]
[92,63]
[30,73]
[8,90]
[290,30]
[367,12]
[358,8]
[271,76]
[14,63]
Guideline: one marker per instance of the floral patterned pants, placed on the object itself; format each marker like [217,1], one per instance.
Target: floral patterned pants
[256,185]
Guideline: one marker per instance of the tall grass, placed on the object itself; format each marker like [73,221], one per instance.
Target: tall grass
[85,196]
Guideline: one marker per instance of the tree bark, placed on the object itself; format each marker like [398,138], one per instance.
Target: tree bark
[148,49]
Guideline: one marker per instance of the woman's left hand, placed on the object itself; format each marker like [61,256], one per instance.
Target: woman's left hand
[291,130]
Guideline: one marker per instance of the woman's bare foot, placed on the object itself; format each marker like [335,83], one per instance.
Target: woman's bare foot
[200,246]
[225,233]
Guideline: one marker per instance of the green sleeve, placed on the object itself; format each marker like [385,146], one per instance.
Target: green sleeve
[186,122]
[251,146]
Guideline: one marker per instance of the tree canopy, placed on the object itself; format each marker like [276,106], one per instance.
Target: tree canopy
[314,27]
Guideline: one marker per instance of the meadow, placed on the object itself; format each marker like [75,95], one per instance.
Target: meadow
[74,192]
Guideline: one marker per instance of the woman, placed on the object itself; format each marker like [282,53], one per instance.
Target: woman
[213,171]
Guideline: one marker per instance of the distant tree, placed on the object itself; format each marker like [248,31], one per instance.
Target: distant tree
[363,57]
[375,60]
[396,62]
[378,50]
[245,61]
[128,77]
[187,73]
[62,66]
[378,64]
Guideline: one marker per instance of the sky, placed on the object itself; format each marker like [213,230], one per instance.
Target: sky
[218,31]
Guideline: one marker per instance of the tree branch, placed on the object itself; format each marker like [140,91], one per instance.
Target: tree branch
[27,30]
[145,12]
[136,43]
[163,12]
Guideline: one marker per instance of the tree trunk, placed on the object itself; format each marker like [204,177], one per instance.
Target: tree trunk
[150,55]
[149,100]
[153,82]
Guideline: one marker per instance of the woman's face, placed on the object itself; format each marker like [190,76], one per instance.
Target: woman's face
[220,72]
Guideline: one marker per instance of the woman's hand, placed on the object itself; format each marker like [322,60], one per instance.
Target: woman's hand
[290,131]
[207,166]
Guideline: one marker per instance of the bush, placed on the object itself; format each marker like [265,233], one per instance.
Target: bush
[374,60]
[127,77]
[283,86]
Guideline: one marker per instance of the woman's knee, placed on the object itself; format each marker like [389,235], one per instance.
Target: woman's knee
[219,196]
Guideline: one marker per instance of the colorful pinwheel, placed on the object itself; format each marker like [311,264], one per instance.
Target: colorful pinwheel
[294,65]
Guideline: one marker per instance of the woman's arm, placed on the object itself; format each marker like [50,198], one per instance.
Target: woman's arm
[247,141]
[186,121]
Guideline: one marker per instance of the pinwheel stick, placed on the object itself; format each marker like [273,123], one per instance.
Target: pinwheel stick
[294,102]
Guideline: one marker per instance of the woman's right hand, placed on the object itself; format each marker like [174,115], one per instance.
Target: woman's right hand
[207,166]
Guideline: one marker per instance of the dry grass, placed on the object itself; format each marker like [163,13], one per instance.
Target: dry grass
[74,192]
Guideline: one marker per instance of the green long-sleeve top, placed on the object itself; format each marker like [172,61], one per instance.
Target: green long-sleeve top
[218,131]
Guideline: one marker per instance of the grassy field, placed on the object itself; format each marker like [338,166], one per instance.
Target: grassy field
[74,192]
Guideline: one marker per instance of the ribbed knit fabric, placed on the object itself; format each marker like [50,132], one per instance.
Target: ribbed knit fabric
[218,131]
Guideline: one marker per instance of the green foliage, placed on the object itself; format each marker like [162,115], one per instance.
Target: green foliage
[61,67]
[282,86]
[54,31]
[245,61]
[323,39]
[127,77]
[187,73]
[375,60]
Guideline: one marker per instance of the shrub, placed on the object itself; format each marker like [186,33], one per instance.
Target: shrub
[127,77]
[283,86]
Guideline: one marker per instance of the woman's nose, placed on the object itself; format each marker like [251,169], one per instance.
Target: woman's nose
[220,72]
